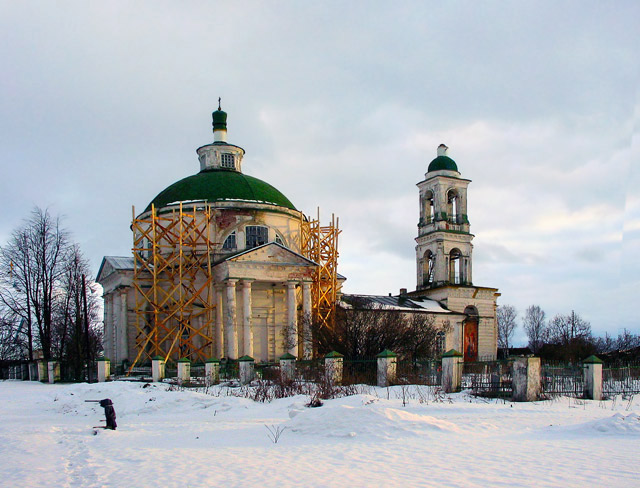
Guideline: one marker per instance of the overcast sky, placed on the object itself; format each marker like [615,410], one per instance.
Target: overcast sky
[341,105]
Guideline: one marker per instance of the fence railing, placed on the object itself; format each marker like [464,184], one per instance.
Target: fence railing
[621,379]
[488,378]
[559,379]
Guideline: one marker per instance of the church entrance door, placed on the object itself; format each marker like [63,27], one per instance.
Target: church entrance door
[471,340]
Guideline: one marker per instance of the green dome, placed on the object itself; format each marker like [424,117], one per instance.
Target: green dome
[443,162]
[219,119]
[214,185]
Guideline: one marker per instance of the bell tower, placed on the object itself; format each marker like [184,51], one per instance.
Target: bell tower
[443,250]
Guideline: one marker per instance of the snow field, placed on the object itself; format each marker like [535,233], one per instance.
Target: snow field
[192,439]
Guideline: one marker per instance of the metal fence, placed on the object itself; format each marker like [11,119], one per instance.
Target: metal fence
[420,372]
[360,371]
[621,379]
[489,378]
[560,379]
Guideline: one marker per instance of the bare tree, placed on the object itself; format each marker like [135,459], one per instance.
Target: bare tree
[506,318]
[535,326]
[571,334]
[40,284]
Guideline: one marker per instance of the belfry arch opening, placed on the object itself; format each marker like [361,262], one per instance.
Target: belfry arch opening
[429,207]
[456,266]
[428,271]
[453,203]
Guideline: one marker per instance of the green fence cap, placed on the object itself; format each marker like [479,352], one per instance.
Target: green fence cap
[158,358]
[387,354]
[212,360]
[452,354]
[334,354]
[184,360]
[246,358]
[592,360]
[103,359]
[287,355]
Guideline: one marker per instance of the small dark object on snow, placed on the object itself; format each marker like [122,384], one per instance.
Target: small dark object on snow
[109,412]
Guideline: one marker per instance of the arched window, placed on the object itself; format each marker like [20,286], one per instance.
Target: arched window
[230,243]
[429,207]
[439,343]
[256,235]
[455,266]
[278,240]
[428,273]
[452,206]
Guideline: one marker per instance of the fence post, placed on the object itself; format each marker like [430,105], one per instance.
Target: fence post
[157,369]
[526,379]
[387,364]
[592,374]
[104,370]
[43,371]
[53,371]
[212,371]
[246,365]
[451,371]
[184,371]
[333,367]
[287,367]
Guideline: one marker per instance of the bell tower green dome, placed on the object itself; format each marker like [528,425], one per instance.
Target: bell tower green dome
[443,162]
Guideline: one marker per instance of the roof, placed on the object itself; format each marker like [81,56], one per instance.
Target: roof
[443,162]
[401,303]
[214,185]
[115,263]
[235,255]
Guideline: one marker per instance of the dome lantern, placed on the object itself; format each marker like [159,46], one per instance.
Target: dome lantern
[219,124]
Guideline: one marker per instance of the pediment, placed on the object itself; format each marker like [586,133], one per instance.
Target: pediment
[271,253]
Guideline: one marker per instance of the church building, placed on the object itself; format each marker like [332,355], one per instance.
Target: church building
[223,265]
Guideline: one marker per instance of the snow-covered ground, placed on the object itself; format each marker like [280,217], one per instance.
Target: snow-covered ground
[188,439]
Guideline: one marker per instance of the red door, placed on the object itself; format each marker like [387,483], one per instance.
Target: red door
[471,340]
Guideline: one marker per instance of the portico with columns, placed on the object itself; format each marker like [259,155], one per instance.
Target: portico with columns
[265,292]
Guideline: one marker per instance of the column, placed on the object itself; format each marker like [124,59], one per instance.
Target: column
[123,345]
[230,320]
[307,338]
[247,325]
[442,268]
[219,337]
[292,320]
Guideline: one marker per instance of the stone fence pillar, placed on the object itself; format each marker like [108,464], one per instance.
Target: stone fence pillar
[212,371]
[287,367]
[104,370]
[526,380]
[54,371]
[246,365]
[387,367]
[157,369]
[592,374]
[333,367]
[451,371]
[184,371]
[43,371]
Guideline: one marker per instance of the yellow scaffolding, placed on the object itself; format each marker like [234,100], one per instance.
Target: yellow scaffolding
[320,244]
[175,303]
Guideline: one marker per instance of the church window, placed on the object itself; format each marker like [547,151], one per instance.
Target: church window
[230,242]
[227,161]
[429,211]
[256,235]
[439,344]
